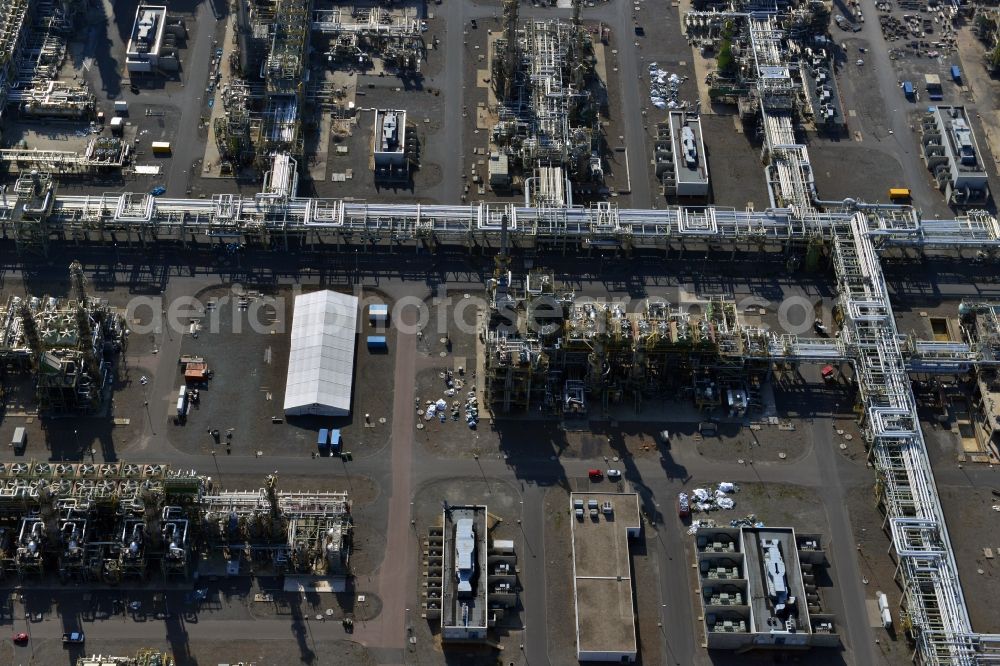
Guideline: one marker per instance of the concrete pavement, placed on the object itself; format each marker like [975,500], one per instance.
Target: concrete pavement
[902,142]
[839,544]
[450,144]
[187,147]
[399,568]
[532,560]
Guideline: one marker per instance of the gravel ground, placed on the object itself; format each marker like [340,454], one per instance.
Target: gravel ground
[737,442]
[736,174]
[967,511]
[877,567]
[247,388]
[204,653]
[871,175]
[527,439]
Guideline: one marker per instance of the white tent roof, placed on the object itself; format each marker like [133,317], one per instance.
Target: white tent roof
[321,360]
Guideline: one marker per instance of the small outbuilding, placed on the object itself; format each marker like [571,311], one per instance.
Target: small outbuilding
[378,313]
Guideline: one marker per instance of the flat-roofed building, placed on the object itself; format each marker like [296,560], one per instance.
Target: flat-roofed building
[953,156]
[499,171]
[758,589]
[690,163]
[143,51]
[680,157]
[602,525]
[465,613]
[389,146]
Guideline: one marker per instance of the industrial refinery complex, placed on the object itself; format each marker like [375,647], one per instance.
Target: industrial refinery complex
[450,331]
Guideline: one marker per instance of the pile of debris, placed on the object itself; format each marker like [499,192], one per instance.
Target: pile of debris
[705,500]
[749,520]
[664,88]
[471,410]
[440,408]
[700,523]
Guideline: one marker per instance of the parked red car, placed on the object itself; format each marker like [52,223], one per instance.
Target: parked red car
[21,637]
[595,475]
[683,505]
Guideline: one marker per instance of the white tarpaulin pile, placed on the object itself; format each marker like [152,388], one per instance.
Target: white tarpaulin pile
[664,88]
[706,500]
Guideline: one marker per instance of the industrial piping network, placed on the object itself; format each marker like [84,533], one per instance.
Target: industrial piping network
[933,596]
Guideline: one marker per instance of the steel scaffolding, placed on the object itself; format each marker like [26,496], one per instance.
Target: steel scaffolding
[376,23]
[926,566]
[14,16]
[545,114]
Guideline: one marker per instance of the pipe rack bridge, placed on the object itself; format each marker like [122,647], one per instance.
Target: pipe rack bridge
[33,220]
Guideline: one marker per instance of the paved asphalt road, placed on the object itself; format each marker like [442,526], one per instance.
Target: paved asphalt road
[399,569]
[840,541]
[533,573]
[453,50]
[187,148]
[902,142]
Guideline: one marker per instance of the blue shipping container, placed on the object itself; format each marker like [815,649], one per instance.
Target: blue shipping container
[377,343]
[908,89]
[323,440]
[335,440]
[956,74]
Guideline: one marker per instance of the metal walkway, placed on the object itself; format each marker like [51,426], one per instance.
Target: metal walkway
[927,570]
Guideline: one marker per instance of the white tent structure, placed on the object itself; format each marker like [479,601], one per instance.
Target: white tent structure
[321,360]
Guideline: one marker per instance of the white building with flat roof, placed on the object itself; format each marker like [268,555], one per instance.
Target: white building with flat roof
[144,48]
[389,146]
[953,156]
[689,156]
[465,612]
